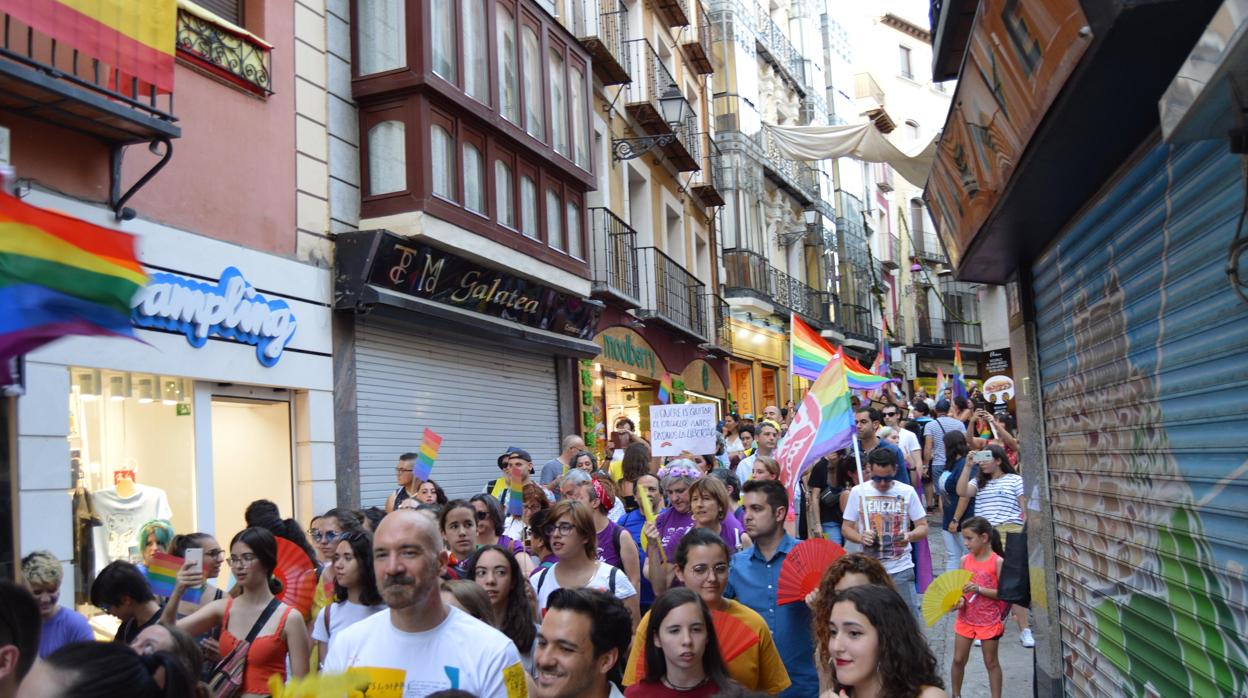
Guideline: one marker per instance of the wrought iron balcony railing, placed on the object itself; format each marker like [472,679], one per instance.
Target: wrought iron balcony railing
[698,46]
[930,248]
[797,177]
[965,334]
[750,272]
[652,81]
[776,48]
[890,251]
[708,184]
[855,322]
[883,176]
[721,337]
[234,56]
[613,258]
[601,26]
[934,331]
[671,294]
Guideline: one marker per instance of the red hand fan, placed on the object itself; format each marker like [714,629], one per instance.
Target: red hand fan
[298,576]
[734,637]
[804,567]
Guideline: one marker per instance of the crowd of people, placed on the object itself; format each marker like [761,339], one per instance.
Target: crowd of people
[581,594]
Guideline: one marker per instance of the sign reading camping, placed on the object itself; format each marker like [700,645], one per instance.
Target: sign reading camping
[675,429]
[231,309]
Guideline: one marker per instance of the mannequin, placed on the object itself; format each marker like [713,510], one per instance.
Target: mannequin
[122,509]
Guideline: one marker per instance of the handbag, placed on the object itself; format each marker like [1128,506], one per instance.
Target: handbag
[1014,585]
[226,680]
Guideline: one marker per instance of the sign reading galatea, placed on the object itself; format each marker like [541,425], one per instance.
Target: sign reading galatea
[231,309]
[418,269]
[678,428]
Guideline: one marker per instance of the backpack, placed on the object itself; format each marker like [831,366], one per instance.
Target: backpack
[226,680]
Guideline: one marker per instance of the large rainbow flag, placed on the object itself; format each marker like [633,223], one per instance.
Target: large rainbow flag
[61,276]
[809,354]
[824,423]
[959,378]
[137,37]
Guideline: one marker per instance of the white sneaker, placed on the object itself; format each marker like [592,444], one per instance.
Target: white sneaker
[979,643]
[1028,639]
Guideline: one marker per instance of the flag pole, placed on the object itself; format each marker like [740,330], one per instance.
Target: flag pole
[866,520]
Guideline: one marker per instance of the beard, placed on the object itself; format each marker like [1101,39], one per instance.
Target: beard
[404,592]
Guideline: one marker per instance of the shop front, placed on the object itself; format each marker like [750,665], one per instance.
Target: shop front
[429,338]
[759,369]
[226,391]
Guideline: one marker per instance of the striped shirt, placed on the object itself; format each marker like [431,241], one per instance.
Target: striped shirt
[998,501]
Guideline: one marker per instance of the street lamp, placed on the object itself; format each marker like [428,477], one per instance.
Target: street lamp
[672,108]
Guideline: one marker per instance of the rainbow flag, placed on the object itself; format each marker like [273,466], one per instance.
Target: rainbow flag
[959,378]
[162,575]
[940,384]
[427,454]
[137,37]
[809,354]
[824,423]
[515,498]
[665,389]
[61,276]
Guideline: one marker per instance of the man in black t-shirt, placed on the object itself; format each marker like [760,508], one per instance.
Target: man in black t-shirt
[827,480]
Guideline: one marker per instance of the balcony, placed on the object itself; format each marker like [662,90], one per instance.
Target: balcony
[721,338]
[943,333]
[652,81]
[774,46]
[708,185]
[670,294]
[929,249]
[673,13]
[749,274]
[601,26]
[50,80]
[882,175]
[868,92]
[798,178]
[685,150]
[855,322]
[226,52]
[613,259]
[814,110]
[890,251]
[698,50]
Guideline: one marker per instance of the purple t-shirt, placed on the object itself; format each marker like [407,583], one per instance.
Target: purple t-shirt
[672,526]
[606,545]
[731,531]
[62,629]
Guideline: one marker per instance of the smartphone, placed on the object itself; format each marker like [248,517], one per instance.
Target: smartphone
[195,559]
[981,457]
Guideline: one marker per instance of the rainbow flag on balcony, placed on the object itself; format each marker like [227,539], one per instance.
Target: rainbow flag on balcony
[61,276]
[135,37]
[809,354]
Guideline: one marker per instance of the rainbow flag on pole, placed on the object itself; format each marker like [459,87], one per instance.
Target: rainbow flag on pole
[515,498]
[665,389]
[959,379]
[940,384]
[162,575]
[61,276]
[809,354]
[824,422]
[427,454]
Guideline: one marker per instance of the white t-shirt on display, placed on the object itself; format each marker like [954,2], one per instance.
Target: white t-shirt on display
[122,517]
[461,653]
[343,615]
[600,581]
[891,513]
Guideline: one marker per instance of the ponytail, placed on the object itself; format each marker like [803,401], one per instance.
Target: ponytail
[980,526]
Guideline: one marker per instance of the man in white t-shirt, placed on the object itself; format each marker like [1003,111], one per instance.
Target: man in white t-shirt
[908,441]
[767,433]
[420,645]
[894,516]
[580,647]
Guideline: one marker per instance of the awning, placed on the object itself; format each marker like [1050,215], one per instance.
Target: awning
[861,141]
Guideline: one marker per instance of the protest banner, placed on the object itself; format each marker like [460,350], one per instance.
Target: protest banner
[676,428]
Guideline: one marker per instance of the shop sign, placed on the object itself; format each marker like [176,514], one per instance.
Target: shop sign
[678,428]
[230,309]
[625,350]
[423,271]
[700,377]
[1019,56]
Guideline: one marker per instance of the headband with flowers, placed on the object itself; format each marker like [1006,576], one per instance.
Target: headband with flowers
[681,467]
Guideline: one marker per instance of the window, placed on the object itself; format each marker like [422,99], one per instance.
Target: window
[382,36]
[912,131]
[229,10]
[906,70]
[387,163]
[528,206]
[504,194]
[580,150]
[508,86]
[554,220]
[474,179]
[443,15]
[558,104]
[442,150]
[476,51]
[534,103]
[574,229]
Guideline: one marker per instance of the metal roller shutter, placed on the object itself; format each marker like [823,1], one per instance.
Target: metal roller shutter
[479,398]
[1143,350]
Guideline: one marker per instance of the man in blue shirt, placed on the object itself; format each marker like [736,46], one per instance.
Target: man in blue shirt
[755,575]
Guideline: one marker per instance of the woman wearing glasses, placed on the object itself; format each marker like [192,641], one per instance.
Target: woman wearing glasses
[570,528]
[253,557]
[702,566]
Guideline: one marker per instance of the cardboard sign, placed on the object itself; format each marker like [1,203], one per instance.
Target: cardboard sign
[678,428]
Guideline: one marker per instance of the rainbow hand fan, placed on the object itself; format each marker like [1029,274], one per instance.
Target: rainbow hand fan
[943,594]
[804,567]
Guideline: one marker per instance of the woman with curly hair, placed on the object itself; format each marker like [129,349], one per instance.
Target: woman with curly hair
[852,570]
[876,647]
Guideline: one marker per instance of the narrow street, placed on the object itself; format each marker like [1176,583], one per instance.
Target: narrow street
[1015,659]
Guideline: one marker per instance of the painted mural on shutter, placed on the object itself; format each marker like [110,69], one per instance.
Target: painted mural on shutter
[1143,350]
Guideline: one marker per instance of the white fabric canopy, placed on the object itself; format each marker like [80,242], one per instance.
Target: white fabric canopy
[861,141]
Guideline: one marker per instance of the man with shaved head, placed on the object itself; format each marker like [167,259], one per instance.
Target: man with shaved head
[421,645]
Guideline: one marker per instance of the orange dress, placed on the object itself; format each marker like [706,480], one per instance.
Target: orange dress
[266,655]
[981,617]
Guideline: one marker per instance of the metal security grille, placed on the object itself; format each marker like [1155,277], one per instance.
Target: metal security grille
[1143,351]
[229,10]
[481,398]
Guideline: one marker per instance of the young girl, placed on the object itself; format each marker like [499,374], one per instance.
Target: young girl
[682,653]
[355,590]
[979,612]
[459,529]
[496,570]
